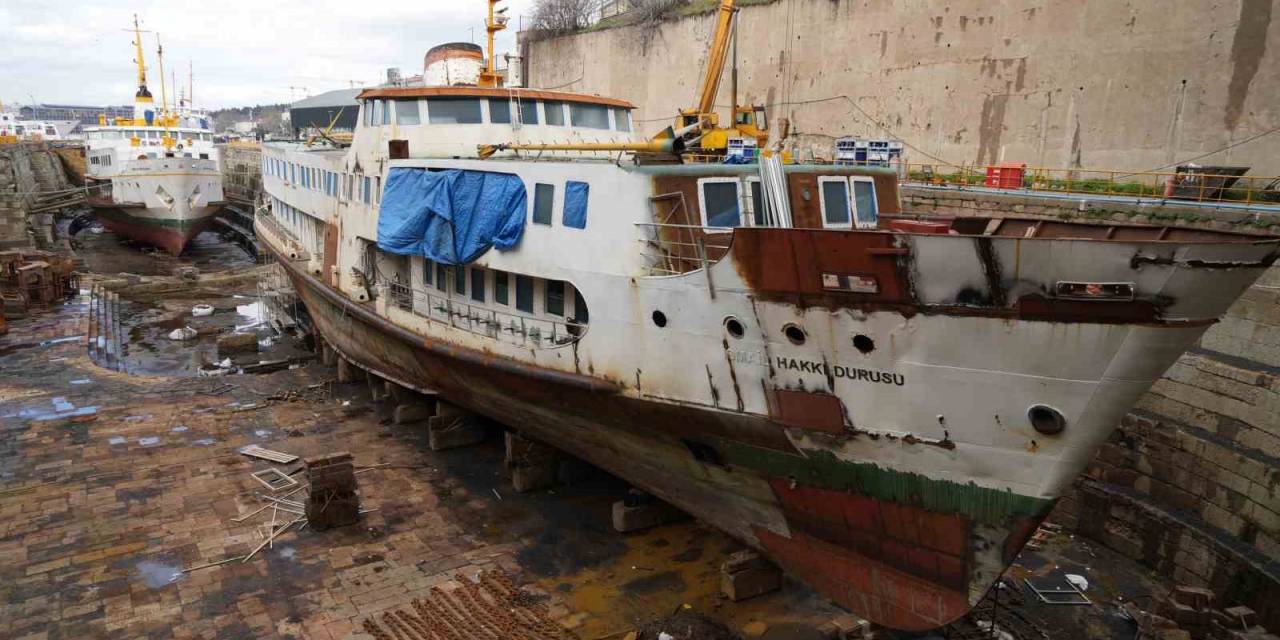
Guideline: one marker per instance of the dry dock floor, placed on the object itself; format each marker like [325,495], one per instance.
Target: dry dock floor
[112,484]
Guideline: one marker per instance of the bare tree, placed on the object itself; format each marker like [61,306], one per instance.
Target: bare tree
[651,12]
[556,17]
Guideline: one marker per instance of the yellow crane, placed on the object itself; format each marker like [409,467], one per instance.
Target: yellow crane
[747,120]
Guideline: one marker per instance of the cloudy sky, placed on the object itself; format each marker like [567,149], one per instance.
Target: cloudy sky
[243,52]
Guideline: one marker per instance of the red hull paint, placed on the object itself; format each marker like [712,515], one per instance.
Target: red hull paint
[172,240]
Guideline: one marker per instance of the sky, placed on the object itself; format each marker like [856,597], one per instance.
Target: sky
[242,52]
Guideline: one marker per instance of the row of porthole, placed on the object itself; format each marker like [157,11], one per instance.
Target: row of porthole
[794,332]
[1044,419]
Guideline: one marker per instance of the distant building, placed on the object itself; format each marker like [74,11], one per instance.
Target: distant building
[245,127]
[319,111]
[79,113]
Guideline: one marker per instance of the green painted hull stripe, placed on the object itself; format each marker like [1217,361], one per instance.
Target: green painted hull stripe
[822,469]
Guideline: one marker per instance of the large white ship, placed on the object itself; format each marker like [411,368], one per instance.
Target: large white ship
[157,175]
[885,406]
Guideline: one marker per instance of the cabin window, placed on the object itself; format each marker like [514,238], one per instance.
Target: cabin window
[543,197]
[500,287]
[589,116]
[835,202]
[454,111]
[555,297]
[720,199]
[555,113]
[499,111]
[367,115]
[442,276]
[622,119]
[529,111]
[368,189]
[377,112]
[428,268]
[580,313]
[407,112]
[477,284]
[866,210]
[757,202]
[460,280]
[524,293]
[575,204]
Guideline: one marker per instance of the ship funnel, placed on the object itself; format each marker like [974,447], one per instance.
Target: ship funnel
[456,63]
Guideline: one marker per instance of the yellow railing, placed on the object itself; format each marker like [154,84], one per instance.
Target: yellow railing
[1194,185]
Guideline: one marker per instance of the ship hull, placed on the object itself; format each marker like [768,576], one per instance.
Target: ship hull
[162,202]
[907,551]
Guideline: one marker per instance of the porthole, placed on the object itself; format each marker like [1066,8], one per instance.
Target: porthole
[863,343]
[660,319]
[794,333]
[1046,420]
[734,327]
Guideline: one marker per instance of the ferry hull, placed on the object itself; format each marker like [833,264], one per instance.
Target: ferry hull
[169,234]
[163,202]
[907,564]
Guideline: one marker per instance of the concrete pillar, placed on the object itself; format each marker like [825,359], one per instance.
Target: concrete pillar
[746,574]
[532,464]
[348,372]
[639,511]
[453,427]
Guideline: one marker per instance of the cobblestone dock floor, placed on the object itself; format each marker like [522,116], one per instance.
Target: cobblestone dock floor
[111,485]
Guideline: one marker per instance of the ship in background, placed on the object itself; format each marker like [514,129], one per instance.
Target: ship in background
[155,178]
[884,405]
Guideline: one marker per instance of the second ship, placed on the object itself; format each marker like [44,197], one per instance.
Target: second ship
[155,178]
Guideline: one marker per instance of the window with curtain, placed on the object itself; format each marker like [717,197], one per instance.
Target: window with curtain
[719,200]
[407,112]
[454,111]
[575,204]
[589,116]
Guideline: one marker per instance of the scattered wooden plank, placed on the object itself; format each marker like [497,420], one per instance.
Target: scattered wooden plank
[255,451]
[250,515]
[211,564]
[273,479]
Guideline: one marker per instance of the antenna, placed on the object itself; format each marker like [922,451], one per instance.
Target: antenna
[191,85]
[164,99]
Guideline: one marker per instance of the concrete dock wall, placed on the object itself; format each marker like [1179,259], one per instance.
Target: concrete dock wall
[1095,83]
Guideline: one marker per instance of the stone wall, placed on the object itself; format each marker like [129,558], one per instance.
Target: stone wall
[16,196]
[1095,83]
[1190,482]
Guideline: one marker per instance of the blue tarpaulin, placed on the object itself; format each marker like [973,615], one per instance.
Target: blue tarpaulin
[451,217]
[575,204]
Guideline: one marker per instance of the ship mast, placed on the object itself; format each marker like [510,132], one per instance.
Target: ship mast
[142,102]
[497,21]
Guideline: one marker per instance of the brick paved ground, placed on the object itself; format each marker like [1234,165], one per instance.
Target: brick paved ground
[111,484]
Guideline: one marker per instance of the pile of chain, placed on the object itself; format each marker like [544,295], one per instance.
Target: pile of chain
[492,609]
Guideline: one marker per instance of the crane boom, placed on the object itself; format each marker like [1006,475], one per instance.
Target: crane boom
[716,58]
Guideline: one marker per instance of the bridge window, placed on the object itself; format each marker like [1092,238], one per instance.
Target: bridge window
[377,112]
[442,276]
[460,280]
[499,111]
[757,202]
[454,111]
[835,203]
[865,208]
[543,197]
[407,112]
[589,116]
[555,112]
[529,111]
[719,199]
[428,269]
[622,119]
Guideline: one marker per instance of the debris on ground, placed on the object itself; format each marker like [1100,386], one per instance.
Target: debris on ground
[686,624]
[462,609]
[183,333]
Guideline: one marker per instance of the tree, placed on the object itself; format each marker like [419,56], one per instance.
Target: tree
[557,17]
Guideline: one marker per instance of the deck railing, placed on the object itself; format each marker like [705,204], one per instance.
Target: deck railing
[513,328]
[282,238]
[673,249]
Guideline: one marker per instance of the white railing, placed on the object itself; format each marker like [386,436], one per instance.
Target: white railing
[280,237]
[673,249]
[484,320]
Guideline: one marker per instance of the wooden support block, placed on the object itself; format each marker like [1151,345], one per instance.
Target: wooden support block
[533,464]
[453,427]
[233,343]
[410,411]
[348,372]
[377,387]
[327,354]
[746,575]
